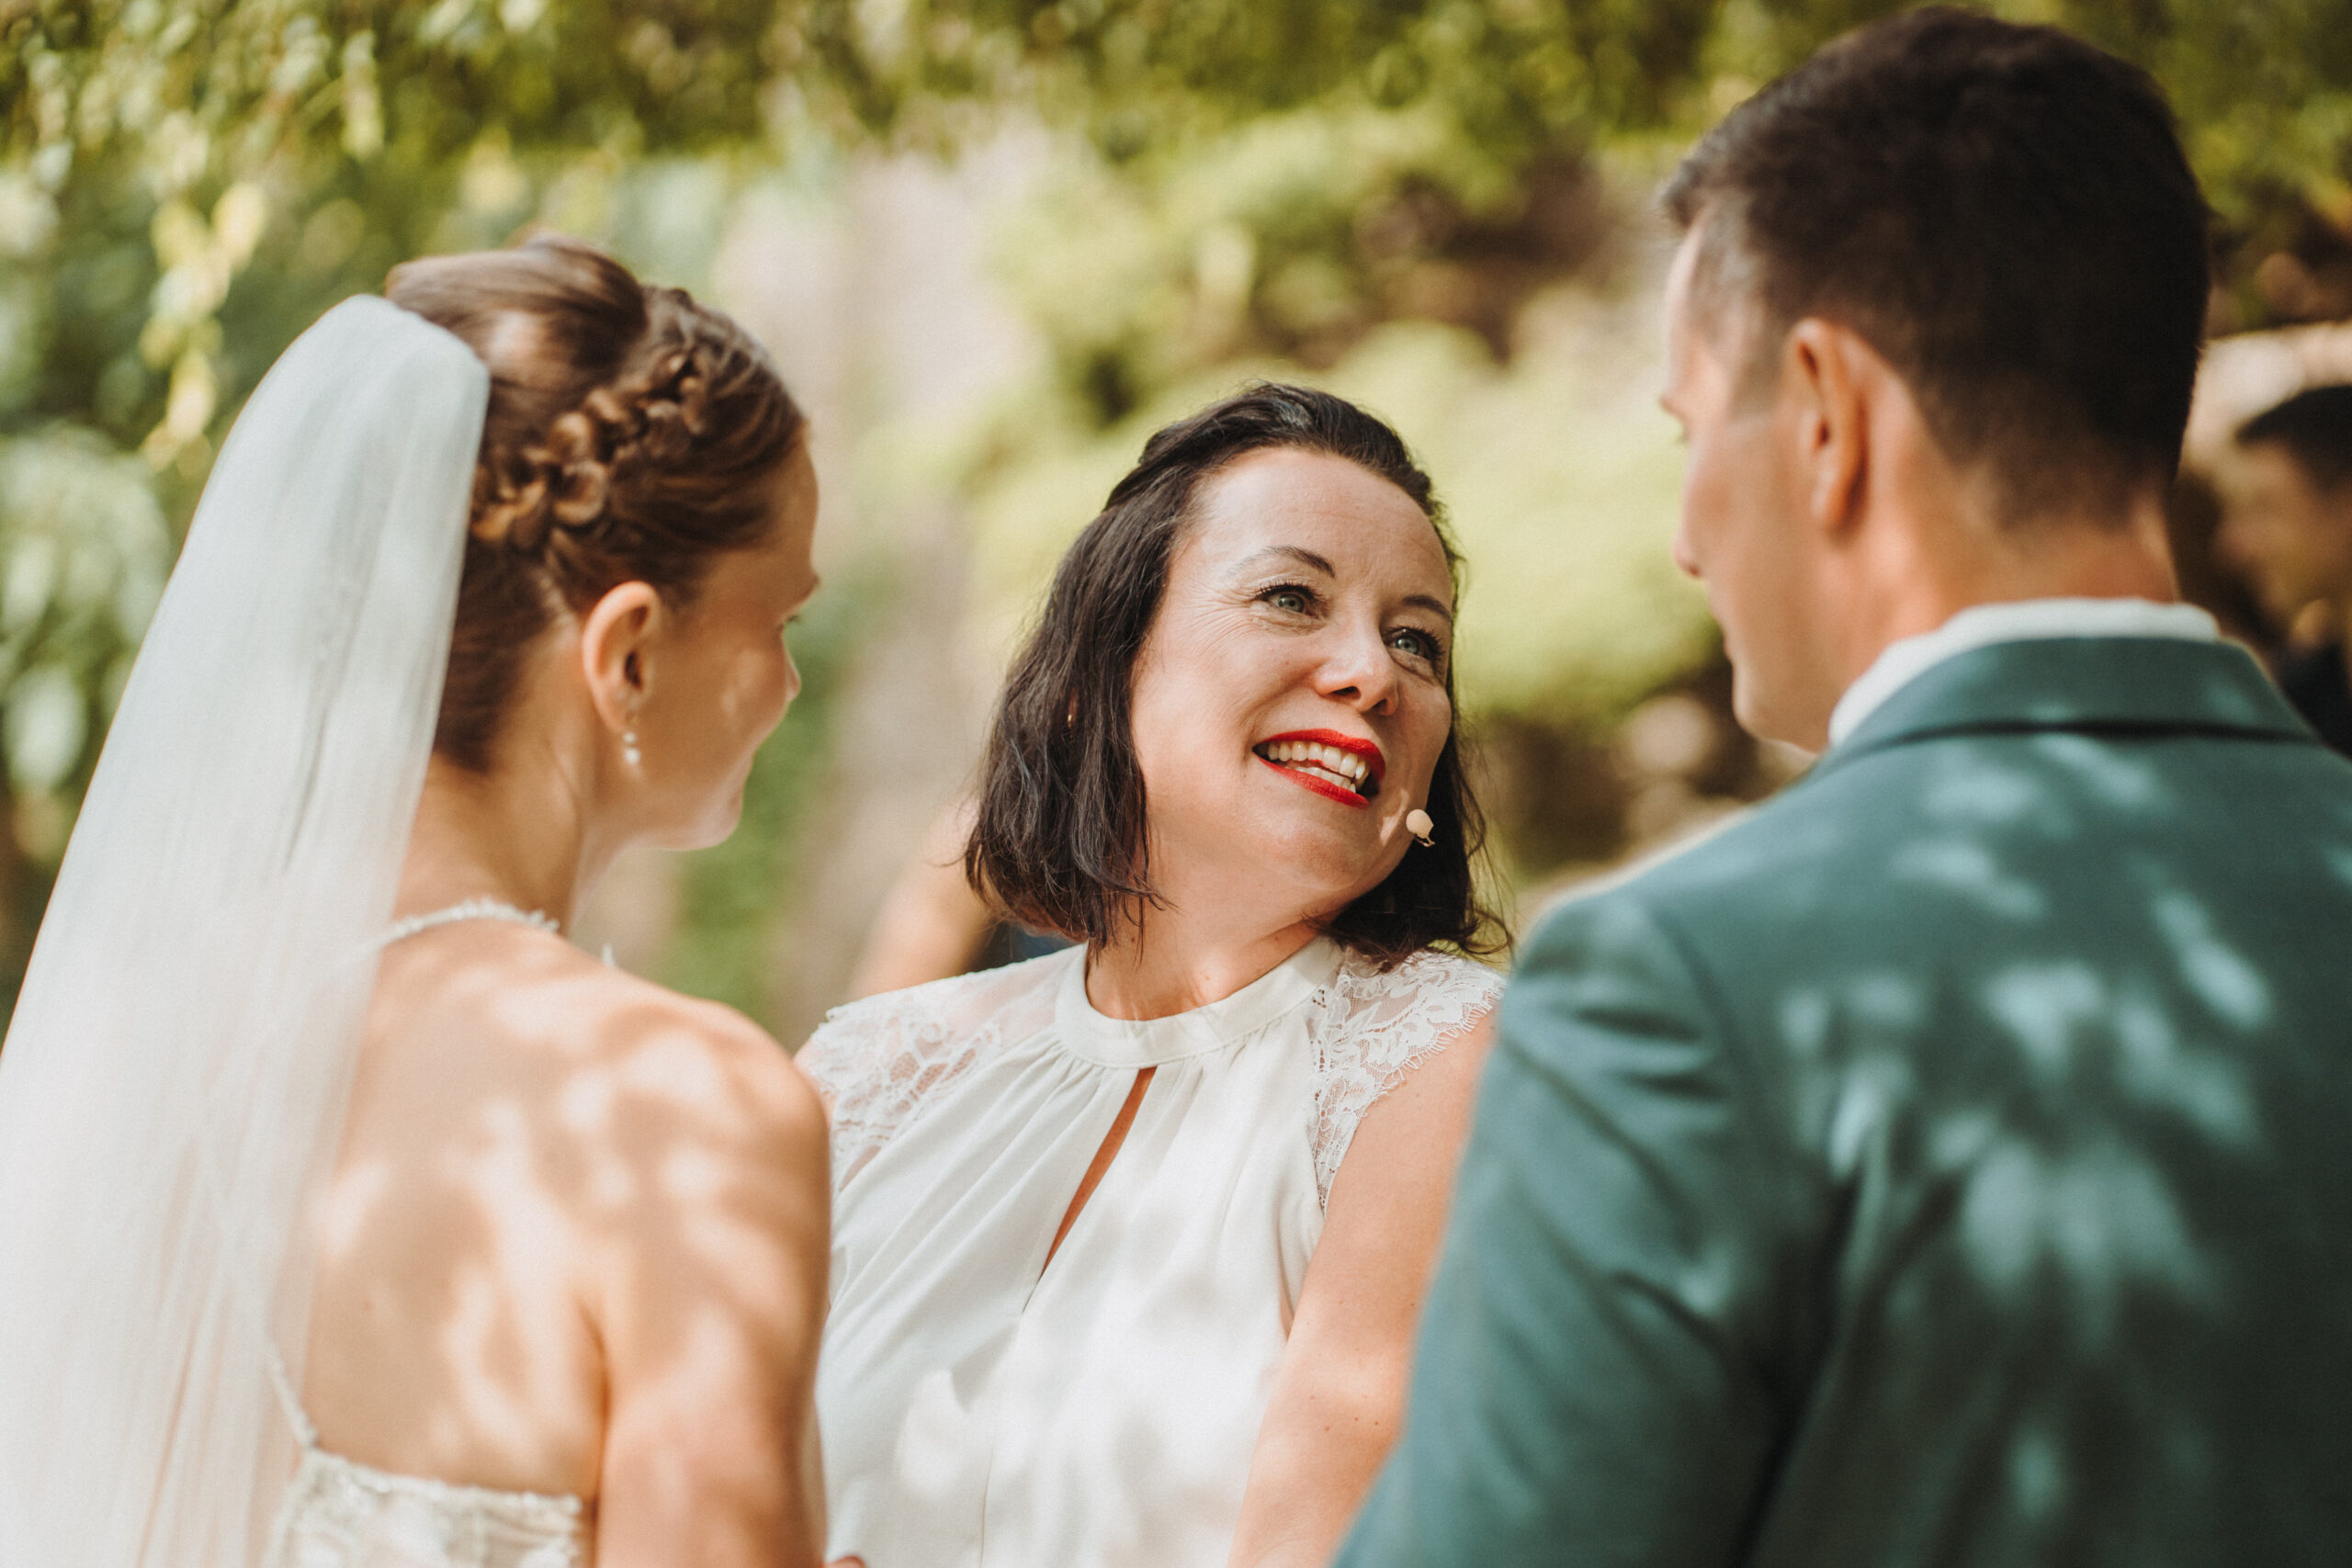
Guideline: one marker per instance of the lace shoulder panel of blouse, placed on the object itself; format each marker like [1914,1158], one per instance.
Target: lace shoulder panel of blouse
[1377,1027]
[882,1058]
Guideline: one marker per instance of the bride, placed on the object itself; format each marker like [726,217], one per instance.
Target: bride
[349,1214]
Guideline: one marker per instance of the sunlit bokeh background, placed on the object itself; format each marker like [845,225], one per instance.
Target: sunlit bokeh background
[993,244]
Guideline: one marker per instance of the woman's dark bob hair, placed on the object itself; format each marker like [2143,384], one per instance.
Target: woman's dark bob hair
[1059,843]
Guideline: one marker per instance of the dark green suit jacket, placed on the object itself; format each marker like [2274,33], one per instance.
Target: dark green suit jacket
[1951,1163]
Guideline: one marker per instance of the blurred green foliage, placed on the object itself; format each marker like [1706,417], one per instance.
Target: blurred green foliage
[1370,192]
[184,186]
[187,183]
[2264,87]
[1139,74]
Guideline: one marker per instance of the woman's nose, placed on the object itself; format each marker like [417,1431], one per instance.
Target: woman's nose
[1360,672]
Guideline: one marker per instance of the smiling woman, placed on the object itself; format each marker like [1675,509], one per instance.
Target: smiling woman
[1251,485]
[1129,1240]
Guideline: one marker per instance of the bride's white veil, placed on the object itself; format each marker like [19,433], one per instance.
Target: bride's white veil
[173,1087]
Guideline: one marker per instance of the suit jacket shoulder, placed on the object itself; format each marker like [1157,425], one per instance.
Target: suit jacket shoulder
[1988,1084]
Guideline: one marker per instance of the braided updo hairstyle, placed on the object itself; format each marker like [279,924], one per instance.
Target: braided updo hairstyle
[632,435]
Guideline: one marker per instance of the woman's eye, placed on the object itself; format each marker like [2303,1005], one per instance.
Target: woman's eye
[1420,645]
[1293,600]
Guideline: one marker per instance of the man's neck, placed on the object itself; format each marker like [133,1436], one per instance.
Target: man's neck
[2057,557]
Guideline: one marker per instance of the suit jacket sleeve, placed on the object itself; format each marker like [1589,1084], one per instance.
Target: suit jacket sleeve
[1595,1379]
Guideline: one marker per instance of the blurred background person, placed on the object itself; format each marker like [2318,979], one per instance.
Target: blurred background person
[2287,524]
[933,925]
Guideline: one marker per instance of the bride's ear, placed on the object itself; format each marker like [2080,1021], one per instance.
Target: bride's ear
[616,652]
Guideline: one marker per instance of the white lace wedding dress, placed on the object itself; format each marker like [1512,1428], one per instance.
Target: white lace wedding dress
[982,1406]
[342,1514]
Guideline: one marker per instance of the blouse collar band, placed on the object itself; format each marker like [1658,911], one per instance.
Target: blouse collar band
[1147,1042]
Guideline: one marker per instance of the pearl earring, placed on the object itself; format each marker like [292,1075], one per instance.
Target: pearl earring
[1418,823]
[629,753]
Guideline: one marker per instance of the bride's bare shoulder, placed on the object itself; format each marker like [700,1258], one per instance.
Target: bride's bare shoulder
[662,1062]
[587,1158]
[601,1059]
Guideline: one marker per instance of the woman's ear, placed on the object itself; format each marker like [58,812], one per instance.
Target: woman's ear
[616,651]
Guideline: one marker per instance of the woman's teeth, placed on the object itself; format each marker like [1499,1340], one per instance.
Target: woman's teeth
[1317,761]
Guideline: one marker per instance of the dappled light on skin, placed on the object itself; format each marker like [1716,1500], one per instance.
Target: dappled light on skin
[524,1161]
[506,1374]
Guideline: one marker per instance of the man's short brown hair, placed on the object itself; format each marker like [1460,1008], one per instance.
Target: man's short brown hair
[2004,212]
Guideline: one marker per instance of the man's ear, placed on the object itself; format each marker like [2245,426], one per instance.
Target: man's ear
[616,652]
[1821,373]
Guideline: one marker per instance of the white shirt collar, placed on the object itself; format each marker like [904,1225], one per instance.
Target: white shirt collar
[2025,620]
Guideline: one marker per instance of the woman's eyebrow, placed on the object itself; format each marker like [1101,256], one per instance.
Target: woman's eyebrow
[1322,564]
[1292,552]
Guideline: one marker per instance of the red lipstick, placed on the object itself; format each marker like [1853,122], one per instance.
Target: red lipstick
[1364,750]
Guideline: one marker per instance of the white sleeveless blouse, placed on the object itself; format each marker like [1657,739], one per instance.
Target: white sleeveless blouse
[982,1408]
